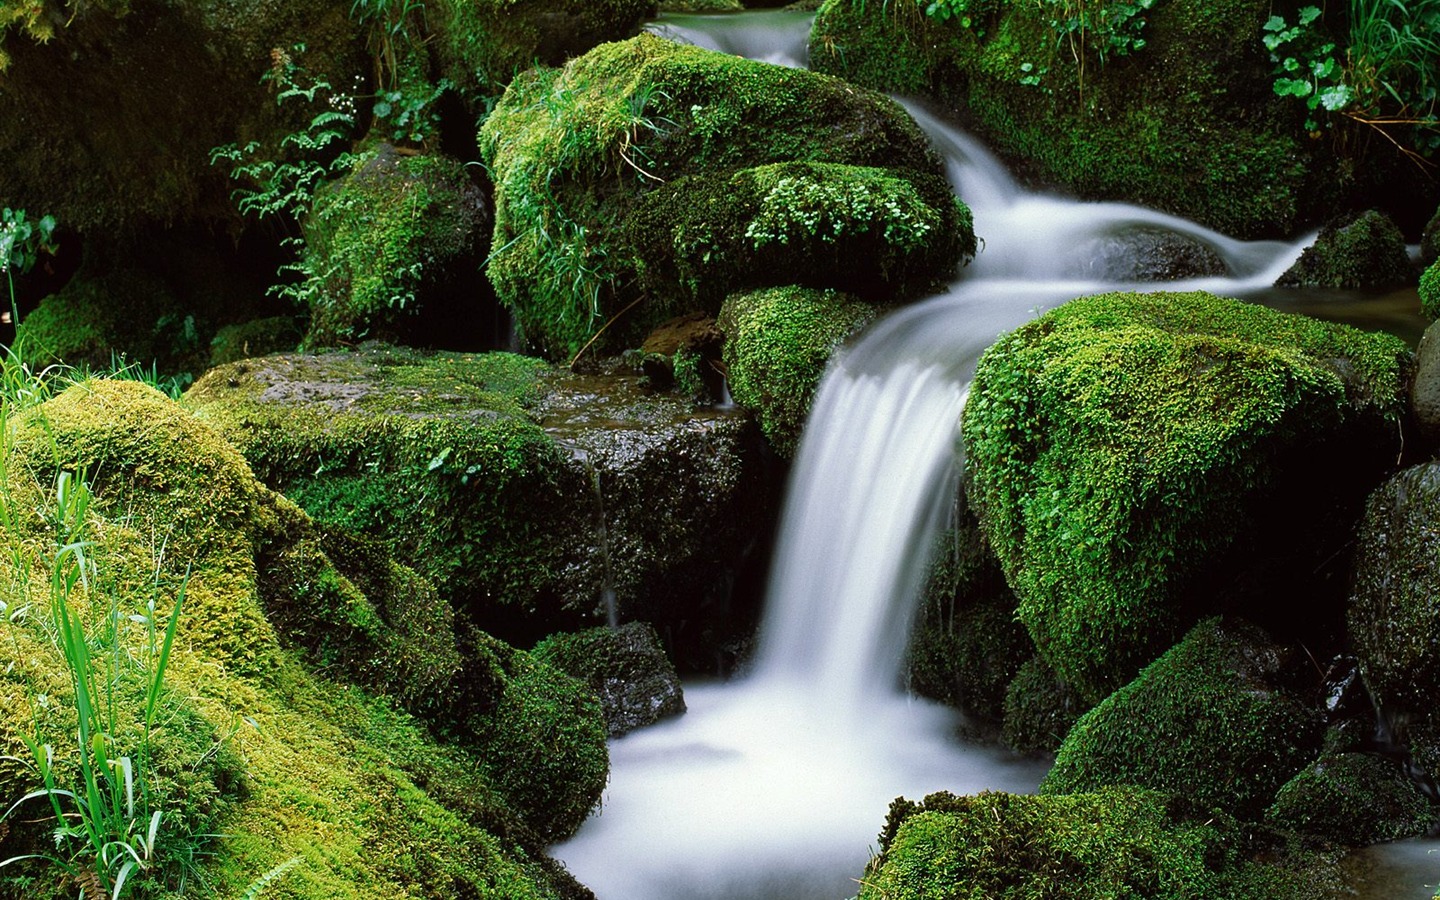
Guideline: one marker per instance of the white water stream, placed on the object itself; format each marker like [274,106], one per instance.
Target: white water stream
[774,787]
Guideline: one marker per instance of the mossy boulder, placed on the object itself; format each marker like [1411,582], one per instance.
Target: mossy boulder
[1430,292]
[1394,619]
[482,44]
[626,668]
[1139,461]
[1352,798]
[778,343]
[1430,241]
[1040,709]
[109,125]
[522,492]
[394,251]
[1213,720]
[1363,251]
[1103,102]
[252,742]
[653,179]
[257,337]
[1118,842]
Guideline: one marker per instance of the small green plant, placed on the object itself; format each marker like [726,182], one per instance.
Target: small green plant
[22,241]
[107,824]
[1307,65]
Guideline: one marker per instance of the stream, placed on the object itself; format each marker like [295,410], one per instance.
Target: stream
[774,785]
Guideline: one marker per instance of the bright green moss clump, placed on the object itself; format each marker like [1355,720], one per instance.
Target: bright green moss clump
[392,238]
[1119,843]
[1210,721]
[777,344]
[1124,448]
[1430,292]
[1366,251]
[650,169]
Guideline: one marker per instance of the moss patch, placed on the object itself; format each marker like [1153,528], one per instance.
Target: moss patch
[1125,448]
[1354,799]
[1430,292]
[1367,251]
[777,344]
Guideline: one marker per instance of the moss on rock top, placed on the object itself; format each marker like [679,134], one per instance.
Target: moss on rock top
[655,171]
[1123,445]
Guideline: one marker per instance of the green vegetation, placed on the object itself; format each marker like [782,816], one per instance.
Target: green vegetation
[1040,709]
[1210,721]
[1363,251]
[778,343]
[1430,292]
[648,179]
[1123,444]
[1354,799]
[625,666]
[1118,843]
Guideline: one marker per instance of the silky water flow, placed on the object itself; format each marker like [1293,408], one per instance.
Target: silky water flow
[774,786]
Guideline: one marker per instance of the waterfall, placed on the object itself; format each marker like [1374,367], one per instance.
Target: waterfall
[774,786]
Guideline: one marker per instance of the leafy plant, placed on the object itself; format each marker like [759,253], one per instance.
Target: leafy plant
[1306,65]
[21,243]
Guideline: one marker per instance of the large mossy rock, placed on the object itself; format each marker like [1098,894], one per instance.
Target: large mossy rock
[1430,292]
[109,125]
[1116,842]
[1394,615]
[1139,461]
[648,179]
[251,742]
[394,251]
[1213,720]
[1169,105]
[521,491]
[778,343]
[626,668]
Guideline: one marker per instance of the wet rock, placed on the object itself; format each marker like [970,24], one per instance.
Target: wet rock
[1425,390]
[522,492]
[1364,251]
[626,668]
[1145,255]
[1352,798]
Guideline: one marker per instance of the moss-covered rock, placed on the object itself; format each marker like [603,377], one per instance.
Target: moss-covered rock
[1363,251]
[1140,460]
[520,491]
[778,342]
[257,337]
[1394,620]
[1212,721]
[651,178]
[1352,798]
[1040,709]
[1430,292]
[109,125]
[482,44]
[250,742]
[1103,100]
[625,666]
[1120,842]
[1430,240]
[394,250]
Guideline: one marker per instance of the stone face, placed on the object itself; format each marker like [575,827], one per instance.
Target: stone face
[522,492]
[1139,461]
[1146,255]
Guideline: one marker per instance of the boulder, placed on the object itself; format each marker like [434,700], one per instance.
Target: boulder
[1114,842]
[1139,461]
[524,493]
[626,668]
[393,251]
[1425,389]
[1213,720]
[1146,255]
[1352,798]
[1363,251]
[1430,292]
[648,179]
[1040,709]
[778,343]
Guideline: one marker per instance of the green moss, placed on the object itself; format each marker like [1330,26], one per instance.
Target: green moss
[1198,90]
[386,241]
[625,666]
[1430,292]
[258,337]
[1352,798]
[1120,842]
[1366,251]
[777,344]
[1124,445]
[1040,709]
[648,128]
[1210,721]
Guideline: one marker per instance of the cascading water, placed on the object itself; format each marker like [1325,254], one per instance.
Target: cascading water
[773,787]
